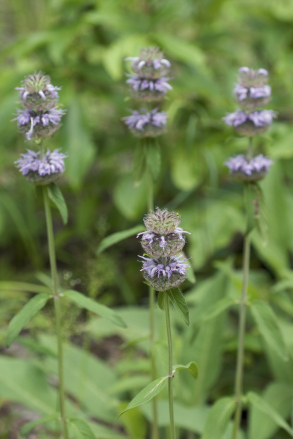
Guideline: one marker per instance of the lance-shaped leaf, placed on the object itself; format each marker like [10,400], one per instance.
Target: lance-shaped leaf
[179,303]
[31,425]
[218,418]
[81,429]
[148,393]
[261,404]
[24,315]
[117,237]
[192,368]
[269,328]
[57,199]
[97,308]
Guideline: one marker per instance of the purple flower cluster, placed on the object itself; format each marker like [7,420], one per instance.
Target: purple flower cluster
[251,91]
[146,124]
[163,240]
[163,274]
[41,170]
[41,116]
[148,83]
[246,169]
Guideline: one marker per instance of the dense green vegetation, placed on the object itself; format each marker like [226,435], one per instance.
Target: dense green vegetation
[82,46]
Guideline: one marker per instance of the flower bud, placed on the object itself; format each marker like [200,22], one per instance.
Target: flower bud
[164,273]
[41,170]
[37,93]
[250,123]
[146,124]
[246,169]
[150,63]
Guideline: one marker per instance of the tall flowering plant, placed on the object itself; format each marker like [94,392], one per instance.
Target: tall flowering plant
[251,92]
[165,269]
[148,86]
[41,118]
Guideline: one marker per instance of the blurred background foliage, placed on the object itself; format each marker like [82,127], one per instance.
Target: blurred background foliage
[82,45]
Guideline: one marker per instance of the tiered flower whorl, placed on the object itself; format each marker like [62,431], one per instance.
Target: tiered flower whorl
[163,240]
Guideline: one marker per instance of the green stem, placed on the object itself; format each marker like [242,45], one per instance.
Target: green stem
[155,430]
[170,366]
[241,334]
[250,148]
[57,307]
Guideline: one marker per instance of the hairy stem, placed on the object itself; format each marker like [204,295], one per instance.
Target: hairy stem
[170,365]
[52,256]
[241,334]
[155,430]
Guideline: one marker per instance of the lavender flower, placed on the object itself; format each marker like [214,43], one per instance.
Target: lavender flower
[148,89]
[246,169]
[37,93]
[164,273]
[150,63]
[250,124]
[37,124]
[163,245]
[252,90]
[41,170]
[146,124]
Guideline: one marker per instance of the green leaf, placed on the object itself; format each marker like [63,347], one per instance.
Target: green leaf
[24,315]
[129,199]
[57,199]
[179,303]
[218,418]
[148,393]
[261,404]
[161,300]
[269,328]
[139,162]
[192,368]
[30,425]
[215,309]
[91,305]
[117,237]
[134,423]
[23,286]
[81,429]
[153,156]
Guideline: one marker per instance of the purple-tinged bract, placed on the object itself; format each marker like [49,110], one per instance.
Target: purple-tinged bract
[37,124]
[250,123]
[252,90]
[164,273]
[148,89]
[37,93]
[246,169]
[41,170]
[150,63]
[146,124]
[157,245]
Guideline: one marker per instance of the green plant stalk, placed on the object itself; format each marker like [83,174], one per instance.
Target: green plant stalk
[155,430]
[170,366]
[241,335]
[57,307]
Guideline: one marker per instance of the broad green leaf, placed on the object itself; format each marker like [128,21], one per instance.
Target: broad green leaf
[191,367]
[153,156]
[215,309]
[134,423]
[30,425]
[268,326]
[91,305]
[218,418]
[279,396]
[117,237]
[23,286]
[128,384]
[129,199]
[27,384]
[139,163]
[24,315]
[179,303]
[81,429]
[148,393]
[57,199]
[161,300]
[261,404]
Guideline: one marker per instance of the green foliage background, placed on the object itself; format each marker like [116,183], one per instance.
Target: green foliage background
[81,45]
